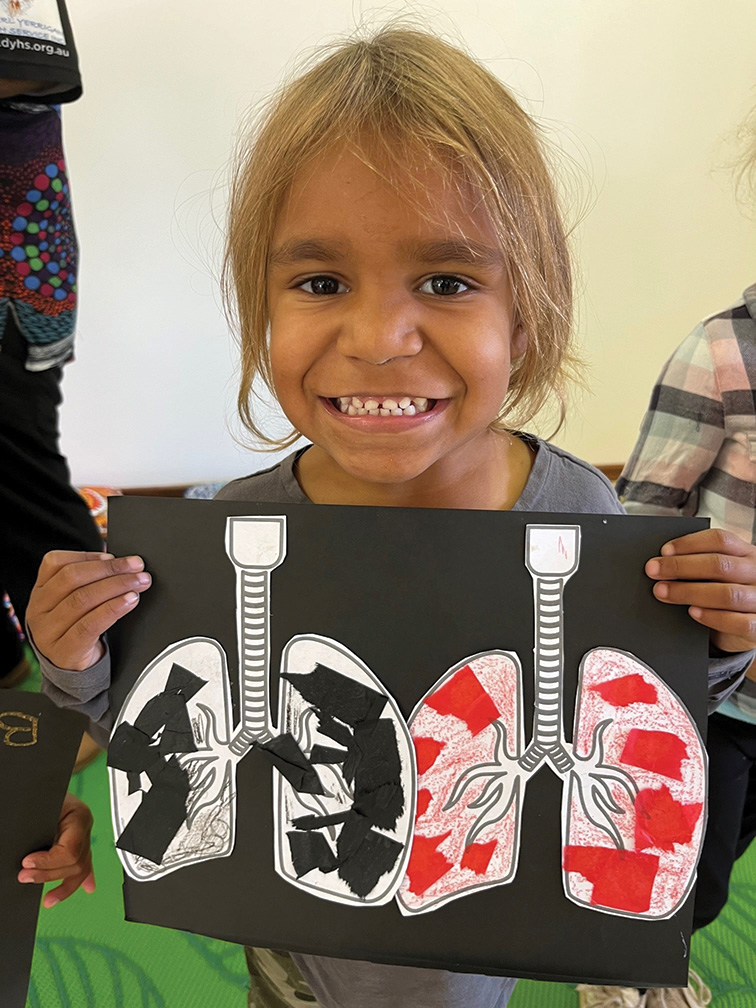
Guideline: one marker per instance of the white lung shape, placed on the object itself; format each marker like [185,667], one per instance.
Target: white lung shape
[342,796]
[210,832]
[468,734]
[638,859]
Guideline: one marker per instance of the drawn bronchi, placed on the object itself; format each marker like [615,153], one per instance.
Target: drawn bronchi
[368,807]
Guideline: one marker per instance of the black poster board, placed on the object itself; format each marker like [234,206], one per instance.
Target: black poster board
[38,745]
[411,592]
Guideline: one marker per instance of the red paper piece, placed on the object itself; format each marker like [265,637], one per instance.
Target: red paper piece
[661,821]
[426,864]
[659,751]
[478,855]
[427,750]
[622,879]
[423,801]
[627,690]
[464,697]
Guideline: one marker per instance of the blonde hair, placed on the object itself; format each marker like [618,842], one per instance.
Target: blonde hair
[407,91]
[744,167]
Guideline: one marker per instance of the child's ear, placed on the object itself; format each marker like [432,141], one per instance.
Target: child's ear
[519,342]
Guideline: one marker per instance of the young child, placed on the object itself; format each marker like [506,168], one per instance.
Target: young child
[401,282]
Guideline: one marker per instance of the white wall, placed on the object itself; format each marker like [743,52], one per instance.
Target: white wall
[641,93]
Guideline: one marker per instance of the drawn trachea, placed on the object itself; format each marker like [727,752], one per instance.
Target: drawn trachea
[551,555]
[253,609]
[549,659]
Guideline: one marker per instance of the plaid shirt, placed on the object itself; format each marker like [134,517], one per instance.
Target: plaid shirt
[696,453]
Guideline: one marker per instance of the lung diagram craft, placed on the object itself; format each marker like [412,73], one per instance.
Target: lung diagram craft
[368,807]
[634,776]
[345,784]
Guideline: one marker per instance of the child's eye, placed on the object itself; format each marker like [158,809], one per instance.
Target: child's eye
[444,285]
[322,285]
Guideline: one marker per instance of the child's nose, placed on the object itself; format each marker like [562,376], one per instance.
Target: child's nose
[378,329]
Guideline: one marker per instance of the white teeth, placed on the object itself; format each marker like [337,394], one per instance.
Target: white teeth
[391,406]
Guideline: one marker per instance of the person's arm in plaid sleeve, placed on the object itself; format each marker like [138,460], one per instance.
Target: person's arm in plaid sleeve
[680,437]
[711,572]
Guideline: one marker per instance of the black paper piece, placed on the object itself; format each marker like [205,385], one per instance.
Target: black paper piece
[351,837]
[314,822]
[173,741]
[168,710]
[374,856]
[381,806]
[309,851]
[161,813]
[286,756]
[373,765]
[333,729]
[184,682]
[327,754]
[131,750]
[338,695]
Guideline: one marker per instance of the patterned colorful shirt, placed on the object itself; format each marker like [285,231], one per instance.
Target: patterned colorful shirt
[38,250]
[696,453]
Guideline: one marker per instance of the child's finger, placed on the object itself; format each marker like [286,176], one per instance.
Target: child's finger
[66,889]
[76,646]
[53,561]
[739,598]
[72,579]
[720,567]
[52,874]
[90,597]
[708,541]
[738,628]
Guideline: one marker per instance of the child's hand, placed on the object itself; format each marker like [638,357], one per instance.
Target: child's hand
[77,597]
[69,858]
[714,573]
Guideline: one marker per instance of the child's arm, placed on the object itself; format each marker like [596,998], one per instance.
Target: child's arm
[69,858]
[682,434]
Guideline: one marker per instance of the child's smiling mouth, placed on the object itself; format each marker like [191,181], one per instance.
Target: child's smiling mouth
[400,405]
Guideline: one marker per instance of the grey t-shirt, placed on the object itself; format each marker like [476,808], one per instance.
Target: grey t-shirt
[557,482]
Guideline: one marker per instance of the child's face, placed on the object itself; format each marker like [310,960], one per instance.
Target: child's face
[369,300]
